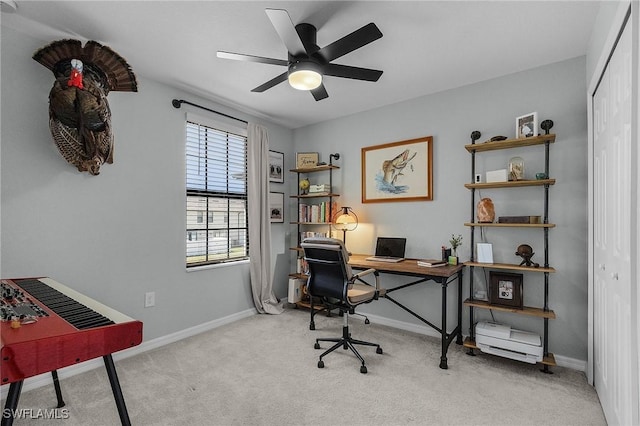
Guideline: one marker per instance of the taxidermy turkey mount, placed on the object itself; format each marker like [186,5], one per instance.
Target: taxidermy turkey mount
[307,63]
[79,114]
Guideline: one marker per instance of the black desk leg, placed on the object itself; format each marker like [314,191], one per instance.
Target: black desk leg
[445,343]
[117,392]
[459,338]
[10,406]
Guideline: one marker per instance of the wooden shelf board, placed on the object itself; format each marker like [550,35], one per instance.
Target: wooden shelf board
[550,359]
[510,143]
[308,306]
[323,195]
[512,225]
[299,249]
[511,266]
[527,310]
[510,184]
[315,169]
[300,276]
[468,343]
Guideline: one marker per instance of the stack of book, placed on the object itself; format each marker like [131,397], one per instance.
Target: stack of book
[431,263]
[316,213]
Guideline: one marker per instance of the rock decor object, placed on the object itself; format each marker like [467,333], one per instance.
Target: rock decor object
[79,114]
[485,211]
[525,251]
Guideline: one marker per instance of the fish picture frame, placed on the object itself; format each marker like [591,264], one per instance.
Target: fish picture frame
[398,171]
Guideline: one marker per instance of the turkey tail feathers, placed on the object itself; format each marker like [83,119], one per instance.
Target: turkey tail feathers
[61,50]
[117,73]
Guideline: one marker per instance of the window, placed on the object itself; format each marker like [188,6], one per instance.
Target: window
[216,185]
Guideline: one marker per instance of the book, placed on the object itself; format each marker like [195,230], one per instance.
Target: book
[430,263]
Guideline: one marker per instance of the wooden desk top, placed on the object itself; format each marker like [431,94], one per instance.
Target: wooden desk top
[407,266]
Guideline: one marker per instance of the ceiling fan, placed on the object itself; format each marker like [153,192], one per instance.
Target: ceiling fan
[307,63]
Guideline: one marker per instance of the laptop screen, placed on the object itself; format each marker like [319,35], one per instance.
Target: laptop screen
[389,246]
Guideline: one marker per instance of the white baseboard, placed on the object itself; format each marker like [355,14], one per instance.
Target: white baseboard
[45,379]
[562,361]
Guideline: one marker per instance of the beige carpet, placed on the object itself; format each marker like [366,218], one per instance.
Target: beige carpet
[262,371]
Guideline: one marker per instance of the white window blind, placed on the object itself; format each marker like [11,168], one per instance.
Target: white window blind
[216,188]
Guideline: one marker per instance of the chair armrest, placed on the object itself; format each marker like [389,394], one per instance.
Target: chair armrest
[361,274]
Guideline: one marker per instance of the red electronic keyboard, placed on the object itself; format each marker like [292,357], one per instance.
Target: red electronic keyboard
[46,326]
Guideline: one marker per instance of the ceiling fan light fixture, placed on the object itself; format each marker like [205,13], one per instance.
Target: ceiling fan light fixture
[304,75]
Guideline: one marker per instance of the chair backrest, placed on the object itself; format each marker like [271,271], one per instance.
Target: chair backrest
[329,271]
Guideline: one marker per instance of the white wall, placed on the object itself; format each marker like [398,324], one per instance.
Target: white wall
[556,92]
[118,235]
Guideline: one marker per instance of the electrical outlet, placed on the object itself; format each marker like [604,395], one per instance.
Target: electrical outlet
[150,299]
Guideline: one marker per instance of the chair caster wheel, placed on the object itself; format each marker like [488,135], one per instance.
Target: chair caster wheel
[366,321]
[321,364]
[317,346]
[379,350]
[312,326]
[363,369]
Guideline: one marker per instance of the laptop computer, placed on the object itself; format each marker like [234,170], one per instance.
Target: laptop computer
[389,249]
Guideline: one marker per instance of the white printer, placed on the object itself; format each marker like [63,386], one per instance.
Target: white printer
[502,340]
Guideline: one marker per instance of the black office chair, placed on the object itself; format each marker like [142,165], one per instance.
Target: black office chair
[331,280]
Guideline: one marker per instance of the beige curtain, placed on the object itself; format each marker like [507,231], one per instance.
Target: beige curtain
[259,220]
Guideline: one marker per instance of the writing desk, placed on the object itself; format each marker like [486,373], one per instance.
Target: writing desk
[443,275]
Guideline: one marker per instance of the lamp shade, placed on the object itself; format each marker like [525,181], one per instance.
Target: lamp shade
[345,219]
[305,75]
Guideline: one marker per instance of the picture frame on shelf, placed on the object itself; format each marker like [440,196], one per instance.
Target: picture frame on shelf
[276,207]
[527,125]
[276,167]
[307,160]
[398,171]
[505,289]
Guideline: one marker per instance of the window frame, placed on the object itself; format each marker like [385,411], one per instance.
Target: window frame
[199,192]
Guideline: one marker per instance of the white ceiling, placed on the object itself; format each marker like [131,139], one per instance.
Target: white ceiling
[427,47]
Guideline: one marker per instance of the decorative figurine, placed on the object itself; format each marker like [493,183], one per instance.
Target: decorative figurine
[304,186]
[79,114]
[525,251]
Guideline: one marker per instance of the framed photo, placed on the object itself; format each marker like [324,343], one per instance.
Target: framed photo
[527,125]
[276,167]
[398,171]
[505,289]
[276,207]
[306,160]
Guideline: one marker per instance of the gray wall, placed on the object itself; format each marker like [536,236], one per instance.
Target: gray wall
[118,235]
[121,234]
[556,92]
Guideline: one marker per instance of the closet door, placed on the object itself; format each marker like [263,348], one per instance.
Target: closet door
[612,230]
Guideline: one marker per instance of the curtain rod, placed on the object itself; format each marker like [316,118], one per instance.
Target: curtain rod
[177,103]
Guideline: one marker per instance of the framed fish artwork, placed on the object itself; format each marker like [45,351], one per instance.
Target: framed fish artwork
[398,171]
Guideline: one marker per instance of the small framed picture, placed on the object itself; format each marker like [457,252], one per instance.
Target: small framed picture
[276,207]
[276,167]
[306,160]
[505,289]
[527,125]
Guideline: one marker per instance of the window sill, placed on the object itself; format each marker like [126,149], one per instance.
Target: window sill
[218,265]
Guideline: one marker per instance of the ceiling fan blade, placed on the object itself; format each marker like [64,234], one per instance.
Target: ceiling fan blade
[251,58]
[346,71]
[320,93]
[286,30]
[351,42]
[274,81]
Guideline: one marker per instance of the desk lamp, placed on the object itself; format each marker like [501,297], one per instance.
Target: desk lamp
[345,220]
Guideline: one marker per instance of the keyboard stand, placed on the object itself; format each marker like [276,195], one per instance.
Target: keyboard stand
[11,405]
